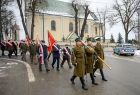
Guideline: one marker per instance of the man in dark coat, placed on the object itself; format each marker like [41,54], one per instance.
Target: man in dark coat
[66,56]
[56,55]
[14,48]
[90,61]
[9,48]
[78,60]
[3,47]
[99,63]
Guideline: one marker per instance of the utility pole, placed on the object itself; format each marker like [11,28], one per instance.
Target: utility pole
[0,21]
[43,24]
[139,27]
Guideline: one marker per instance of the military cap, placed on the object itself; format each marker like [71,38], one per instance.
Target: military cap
[98,39]
[77,40]
[42,41]
[89,39]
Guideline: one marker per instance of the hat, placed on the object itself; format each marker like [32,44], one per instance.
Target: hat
[89,39]
[42,41]
[98,39]
[77,40]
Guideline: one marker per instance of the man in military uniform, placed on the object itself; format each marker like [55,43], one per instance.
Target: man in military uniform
[66,56]
[33,51]
[99,63]
[78,60]
[23,49]
[90,61]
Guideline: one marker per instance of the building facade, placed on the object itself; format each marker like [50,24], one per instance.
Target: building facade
[59,21]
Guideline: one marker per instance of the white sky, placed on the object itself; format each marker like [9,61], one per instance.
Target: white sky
[94,4]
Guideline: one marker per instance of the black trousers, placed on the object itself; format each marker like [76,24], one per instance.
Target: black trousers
[66,59]
[101,72]
[54,60]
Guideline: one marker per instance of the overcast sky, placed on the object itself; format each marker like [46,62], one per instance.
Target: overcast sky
[94,4]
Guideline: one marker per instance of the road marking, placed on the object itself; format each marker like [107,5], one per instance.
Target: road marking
[12,63]
[98,74]
[31,76]
[123,58]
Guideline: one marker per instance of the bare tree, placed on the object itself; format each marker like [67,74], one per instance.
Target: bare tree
[22,17]
[77,6]
[5,15]
[126,10]
[102,15]
[36,5]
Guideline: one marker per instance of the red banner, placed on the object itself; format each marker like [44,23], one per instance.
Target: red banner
[51,41]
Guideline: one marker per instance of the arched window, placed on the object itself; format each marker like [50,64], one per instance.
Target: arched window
[86,28]
[95,30]
[53,25]
[70,27]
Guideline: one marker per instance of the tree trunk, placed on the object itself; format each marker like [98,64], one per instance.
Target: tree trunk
[32,25]
[83,27]
[76,23]
[85,22]
[0,23]
[22,18]
[126,37]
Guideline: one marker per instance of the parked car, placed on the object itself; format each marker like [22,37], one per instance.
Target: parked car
[124,49]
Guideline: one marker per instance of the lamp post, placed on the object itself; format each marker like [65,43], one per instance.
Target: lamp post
[138,26]
[43,24]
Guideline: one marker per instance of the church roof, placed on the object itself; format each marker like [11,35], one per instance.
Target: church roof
[55,7]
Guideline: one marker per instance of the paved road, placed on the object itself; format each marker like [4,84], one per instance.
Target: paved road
[123,79]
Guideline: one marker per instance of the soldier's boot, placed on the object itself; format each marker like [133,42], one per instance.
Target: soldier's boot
[62,65]
[83,84]
[93,80]
[102,74]
[40,67]
[72,79]
[70,67]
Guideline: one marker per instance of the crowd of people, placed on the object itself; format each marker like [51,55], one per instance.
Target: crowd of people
[83,57]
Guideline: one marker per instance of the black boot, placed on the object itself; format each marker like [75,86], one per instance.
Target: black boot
[83,84]
[102,74]
[72,79]
[93,80]
[40,67]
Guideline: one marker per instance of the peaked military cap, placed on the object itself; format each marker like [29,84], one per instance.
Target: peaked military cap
[77,40]
[98,39]
[89,39]
[42,41]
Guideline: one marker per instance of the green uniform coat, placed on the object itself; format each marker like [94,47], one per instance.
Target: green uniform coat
[78,58]
[33,49]
[24,47]
[100,52]
[90,60]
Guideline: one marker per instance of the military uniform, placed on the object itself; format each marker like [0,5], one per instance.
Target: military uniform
[78,60]
[23,49]
[33,51]
[99,63]
[90,61]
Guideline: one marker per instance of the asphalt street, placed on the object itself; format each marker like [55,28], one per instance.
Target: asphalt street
[123,79]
